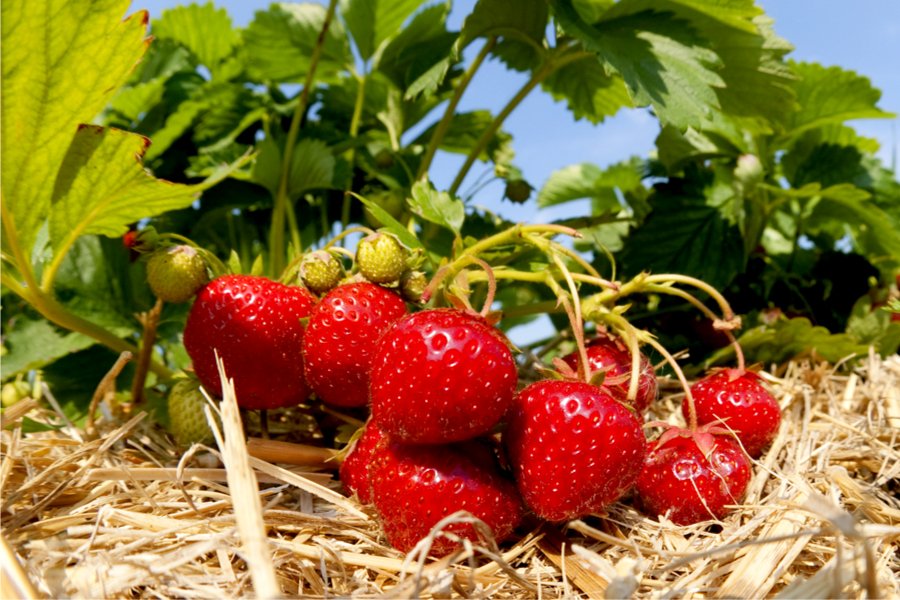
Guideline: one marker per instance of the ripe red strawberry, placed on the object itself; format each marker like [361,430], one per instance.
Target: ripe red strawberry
[610,354]
[340,340]
[441,376]
[414,487]
[742,403]
[354,470]
[574,448]
[254,324]
[690,484]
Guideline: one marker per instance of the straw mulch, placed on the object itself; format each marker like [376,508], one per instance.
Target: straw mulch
[126,515]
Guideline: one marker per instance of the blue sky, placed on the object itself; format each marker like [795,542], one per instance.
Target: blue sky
[864,38]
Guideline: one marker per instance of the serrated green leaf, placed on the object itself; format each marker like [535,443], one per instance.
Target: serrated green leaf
[590,181]
[438,207]
[33,344]
[102,187]
[768,344]
[90,51]
[514,19]
[660,57]
[280,41]
[372,22]
[312,168]
[419,53]
[204,29]
[589,91]
[832,95]
[689,231]
[874,232]
[391,225]
[177,124]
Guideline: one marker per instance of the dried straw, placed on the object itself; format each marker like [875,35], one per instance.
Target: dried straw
[130,515]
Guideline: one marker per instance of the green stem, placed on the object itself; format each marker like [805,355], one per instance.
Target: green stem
[55,312]
[544,71]
[277,240]
[355,121]
[21,260]
[444,124]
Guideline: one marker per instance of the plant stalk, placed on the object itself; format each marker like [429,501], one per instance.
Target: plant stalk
[444,124]
[276,236]
[544,71]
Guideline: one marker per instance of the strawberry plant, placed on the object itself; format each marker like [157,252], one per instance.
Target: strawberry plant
[299,237]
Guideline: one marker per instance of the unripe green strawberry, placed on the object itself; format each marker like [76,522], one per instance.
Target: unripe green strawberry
[518,190]
[321,271]
[381,258]
[412,285]
[176,273]
[187,420]
[14,391]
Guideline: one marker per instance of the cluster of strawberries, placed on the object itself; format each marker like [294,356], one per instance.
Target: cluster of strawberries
[449,431]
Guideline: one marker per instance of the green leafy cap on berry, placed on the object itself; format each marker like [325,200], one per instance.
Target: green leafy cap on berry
[187,419]
[381,258]
[320,271]
[176,273]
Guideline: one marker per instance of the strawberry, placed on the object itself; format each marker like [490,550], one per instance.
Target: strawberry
[689,483]
[440,376]
[414,487]
[573,447]
[381,258]
[739,400]
[320,271]
[517,190]
[187,421]
[340,340]
[254,324]
[354,472]
[610,355]
[176,273]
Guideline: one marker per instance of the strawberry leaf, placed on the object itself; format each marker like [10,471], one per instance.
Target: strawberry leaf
[590,181]
[589,91]
[279,43]
[832,95]
[203,29]
[689,231]
[417,60]
[661,58]
[520,26]
[312,167]
[438,207]
[786,339]
[373,22]
[55,78]
[34,344]
[392,225]
[102,187]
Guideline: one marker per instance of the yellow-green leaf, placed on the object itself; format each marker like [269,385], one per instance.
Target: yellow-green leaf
[62,61]
[102,187]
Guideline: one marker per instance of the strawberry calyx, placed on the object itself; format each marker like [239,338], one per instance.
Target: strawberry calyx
[704,435]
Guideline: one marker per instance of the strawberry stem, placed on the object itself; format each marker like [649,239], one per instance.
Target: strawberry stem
[150,321]
[444,124]
[276,244]
[575,318]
